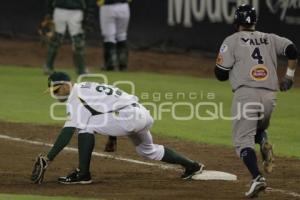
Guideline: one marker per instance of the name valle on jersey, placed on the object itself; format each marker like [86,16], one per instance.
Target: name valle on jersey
[256,41]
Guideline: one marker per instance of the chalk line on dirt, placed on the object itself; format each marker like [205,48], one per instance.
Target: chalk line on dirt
[103,155]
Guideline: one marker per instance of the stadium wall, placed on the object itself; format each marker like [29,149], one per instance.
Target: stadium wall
[168,24]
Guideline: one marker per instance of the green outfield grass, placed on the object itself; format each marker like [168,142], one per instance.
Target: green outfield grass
[31,197]
[22,100]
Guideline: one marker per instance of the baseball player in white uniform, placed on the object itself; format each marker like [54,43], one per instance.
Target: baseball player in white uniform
[100,108]
[114,20]
[68,16]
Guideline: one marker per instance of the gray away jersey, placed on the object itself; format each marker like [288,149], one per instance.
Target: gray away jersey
[251,58]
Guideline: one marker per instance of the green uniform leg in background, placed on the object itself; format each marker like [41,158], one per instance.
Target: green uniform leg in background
[53,47]
[79,53]
[122,51]
[110,56]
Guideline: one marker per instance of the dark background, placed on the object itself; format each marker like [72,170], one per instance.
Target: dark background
[149,25]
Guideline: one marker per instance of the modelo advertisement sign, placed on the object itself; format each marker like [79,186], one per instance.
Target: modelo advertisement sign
[186,12]
[203,24]
[183,24]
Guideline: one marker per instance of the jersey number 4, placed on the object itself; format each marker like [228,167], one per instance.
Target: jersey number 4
[257,56]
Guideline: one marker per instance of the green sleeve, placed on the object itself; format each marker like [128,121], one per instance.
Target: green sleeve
[62,140]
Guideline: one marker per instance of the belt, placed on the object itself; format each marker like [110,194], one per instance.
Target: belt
[68,8]
[95,112]
[245,86]
[114,2]
[136,105]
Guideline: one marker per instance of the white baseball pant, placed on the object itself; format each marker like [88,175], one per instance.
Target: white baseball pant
[70,20]
[132,121]
[114,20]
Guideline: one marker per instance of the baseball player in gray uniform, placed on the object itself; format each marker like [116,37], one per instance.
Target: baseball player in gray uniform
[100,108]
[248,58]
[114,20]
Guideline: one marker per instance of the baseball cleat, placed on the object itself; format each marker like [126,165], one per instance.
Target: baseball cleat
[258,185]
[189,172]
[267,156]
[76,178]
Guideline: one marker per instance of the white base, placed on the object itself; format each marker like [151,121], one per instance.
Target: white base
[214,175]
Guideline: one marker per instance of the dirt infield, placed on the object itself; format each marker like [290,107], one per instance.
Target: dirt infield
[115,179]
[31,53]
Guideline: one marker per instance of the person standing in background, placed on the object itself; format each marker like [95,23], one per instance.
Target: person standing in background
[114,20]
[68,15]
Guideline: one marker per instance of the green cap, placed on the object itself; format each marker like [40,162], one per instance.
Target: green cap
[56,79]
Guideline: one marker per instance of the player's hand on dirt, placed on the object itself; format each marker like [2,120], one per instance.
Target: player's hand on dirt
[286,83]
[40,165]
[111,144]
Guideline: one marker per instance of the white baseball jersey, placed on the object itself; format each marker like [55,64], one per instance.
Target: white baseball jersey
[89,98]
[99,108]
